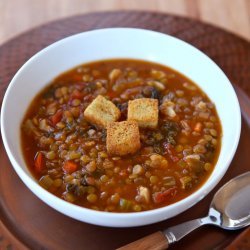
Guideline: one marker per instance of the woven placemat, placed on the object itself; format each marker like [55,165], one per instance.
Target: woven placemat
[21,226]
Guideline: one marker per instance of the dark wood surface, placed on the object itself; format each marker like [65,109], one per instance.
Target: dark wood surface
[26,222]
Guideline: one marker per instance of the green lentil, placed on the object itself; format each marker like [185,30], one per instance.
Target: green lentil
[51,155]
[69,197]
[153,179]
[137,208]
[115,198]
[91,167]
[214,142]
[85,159]
[74,155]
[92,198]
[179,148]
[104,178]
[117,170]
[213,119]
[76,102]
[207,166]
[208,137]
[64,90]
[213,132]
[103,154]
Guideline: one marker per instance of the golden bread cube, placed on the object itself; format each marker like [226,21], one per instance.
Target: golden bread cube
[144,111]
[101,111]
[123,138]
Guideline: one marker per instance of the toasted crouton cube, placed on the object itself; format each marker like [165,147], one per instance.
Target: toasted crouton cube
[144,111]
[123,138]
[101,111]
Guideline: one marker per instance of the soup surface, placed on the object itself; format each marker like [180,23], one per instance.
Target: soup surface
[68,154]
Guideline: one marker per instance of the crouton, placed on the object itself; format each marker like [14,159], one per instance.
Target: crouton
[101,111]
[144,111]
[123,138]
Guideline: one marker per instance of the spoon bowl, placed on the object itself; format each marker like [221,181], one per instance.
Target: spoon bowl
[231,203]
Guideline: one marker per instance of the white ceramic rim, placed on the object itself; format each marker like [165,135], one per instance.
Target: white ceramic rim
[110,218]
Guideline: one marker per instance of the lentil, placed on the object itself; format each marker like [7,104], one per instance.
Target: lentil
[92,198]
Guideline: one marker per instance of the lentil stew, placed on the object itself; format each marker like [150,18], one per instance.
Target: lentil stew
[68,155]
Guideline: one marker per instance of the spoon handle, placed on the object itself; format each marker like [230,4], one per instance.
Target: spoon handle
[155,241]
[162,240]
[177,232]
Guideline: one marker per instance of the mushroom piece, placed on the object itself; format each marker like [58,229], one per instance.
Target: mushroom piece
[43,125]
[144,192]
[114,75]
[167,108]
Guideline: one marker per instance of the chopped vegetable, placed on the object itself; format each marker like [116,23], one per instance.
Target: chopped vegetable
[114,74]
[158,161]
[195,163]
[167,108]
[125,205]
[186,182]
[138,169]
[171,129]
[70,167]
[43,125]
[39,162]
[169,181]
[46,182]
[69,197]
[160,197]
[30,128]
[92,198]
[56,117]
[198,127]
[157,84]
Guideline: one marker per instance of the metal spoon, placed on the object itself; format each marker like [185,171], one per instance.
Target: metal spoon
[229,209]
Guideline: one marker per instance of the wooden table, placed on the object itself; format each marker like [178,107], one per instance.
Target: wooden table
[17,16]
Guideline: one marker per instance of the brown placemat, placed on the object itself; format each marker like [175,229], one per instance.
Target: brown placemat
[27,222]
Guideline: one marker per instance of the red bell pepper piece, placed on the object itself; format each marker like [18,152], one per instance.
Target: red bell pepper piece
[160,197]
[171,152]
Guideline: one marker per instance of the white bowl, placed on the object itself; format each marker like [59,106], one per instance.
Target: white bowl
[119,43]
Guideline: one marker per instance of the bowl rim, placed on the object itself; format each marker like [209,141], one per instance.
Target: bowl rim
[192,199]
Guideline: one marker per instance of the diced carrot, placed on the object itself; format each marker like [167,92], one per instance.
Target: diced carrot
[57,117]
[39,162]
[160,197]
[69,167]
[198,127]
